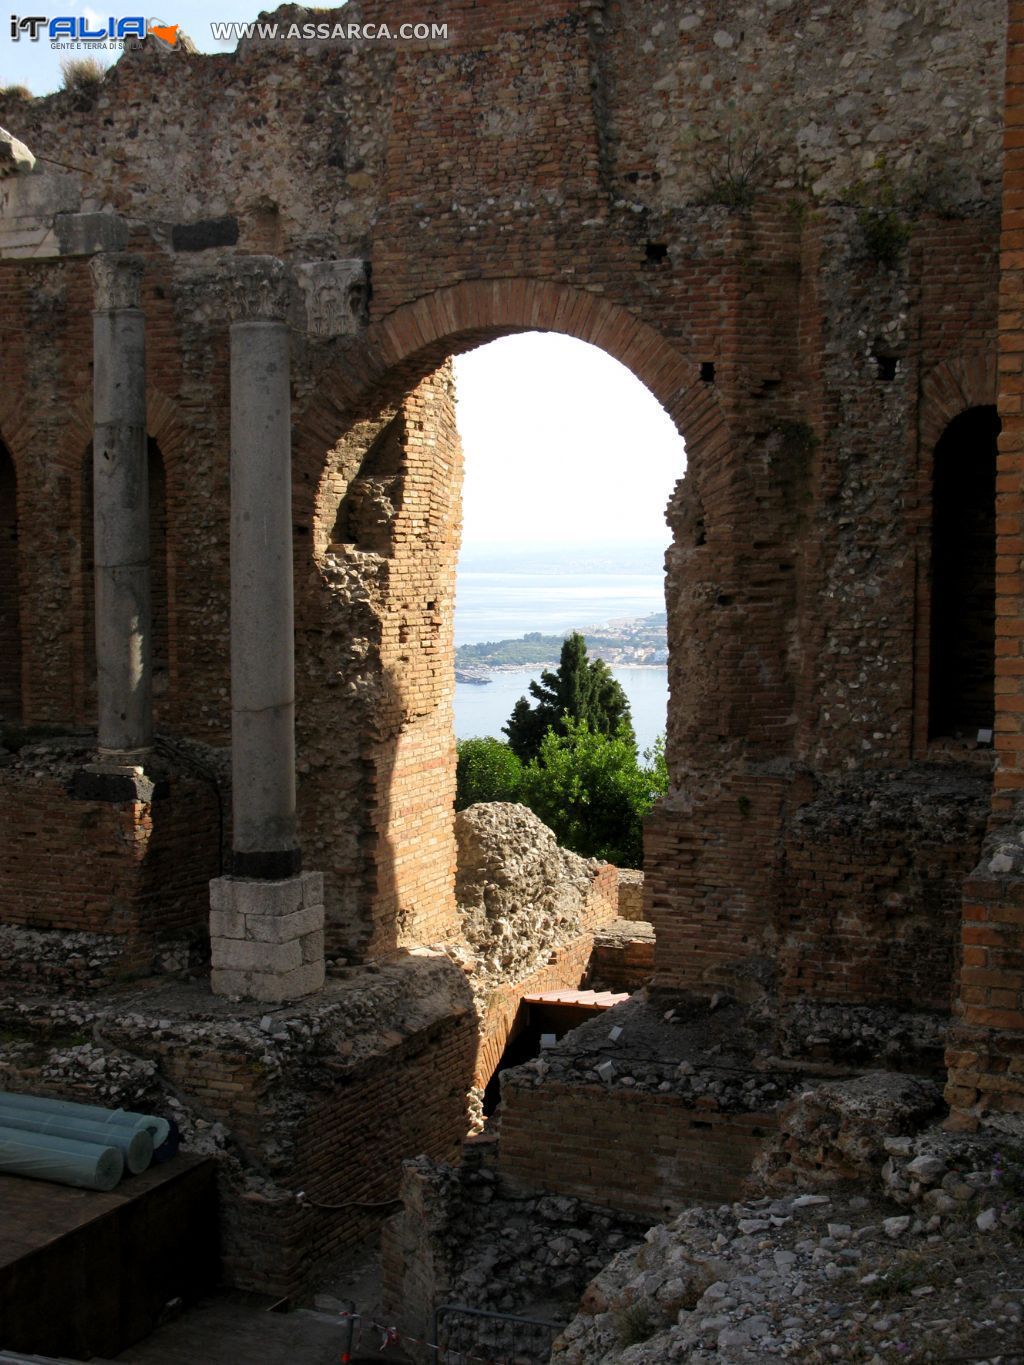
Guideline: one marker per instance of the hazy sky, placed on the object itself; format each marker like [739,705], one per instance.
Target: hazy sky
[562,443]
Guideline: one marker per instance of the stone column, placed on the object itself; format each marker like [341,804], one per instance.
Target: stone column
[266,923]
[121,509]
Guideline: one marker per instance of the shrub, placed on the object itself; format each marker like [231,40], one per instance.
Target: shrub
[487,770]
[591,791]
[81,73]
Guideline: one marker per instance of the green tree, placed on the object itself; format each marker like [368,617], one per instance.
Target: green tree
[592,792]
[487,770]
[579,689]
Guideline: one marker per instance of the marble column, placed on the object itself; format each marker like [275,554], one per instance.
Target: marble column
[266,923]
[121,509]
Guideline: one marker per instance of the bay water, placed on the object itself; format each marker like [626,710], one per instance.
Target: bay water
[495,602]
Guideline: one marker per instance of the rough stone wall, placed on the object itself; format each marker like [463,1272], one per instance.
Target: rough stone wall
[464,1236]
[375,669]
[529,914]
[623,956]
[631,894]
[871,888]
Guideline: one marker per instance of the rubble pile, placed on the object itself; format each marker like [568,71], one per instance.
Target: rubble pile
[519,894]
[936,1275]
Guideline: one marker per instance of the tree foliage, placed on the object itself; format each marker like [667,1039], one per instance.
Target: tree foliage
[592,792]
[579,689]
[487,770]
[587,787]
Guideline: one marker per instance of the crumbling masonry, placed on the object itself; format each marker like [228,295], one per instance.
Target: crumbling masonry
[229,288]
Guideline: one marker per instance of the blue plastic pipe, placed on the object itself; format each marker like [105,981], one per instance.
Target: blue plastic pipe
[123,1118]
[41,1156]
[135,1146]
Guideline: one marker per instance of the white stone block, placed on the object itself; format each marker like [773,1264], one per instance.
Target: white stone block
[221,896]
[254,897]
[274,988]
[312,888]
[312,946]
[235,954]
[226,924]
[281,928]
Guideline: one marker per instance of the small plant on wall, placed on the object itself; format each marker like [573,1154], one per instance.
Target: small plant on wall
[732,161]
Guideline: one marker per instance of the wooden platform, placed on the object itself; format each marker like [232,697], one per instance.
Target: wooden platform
[84,1273]
[586,1000]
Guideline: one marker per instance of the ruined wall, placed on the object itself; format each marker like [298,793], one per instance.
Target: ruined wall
[123,878]
[375,670]
[986,1051]
[639,1153]
[783,219]
[309,1113]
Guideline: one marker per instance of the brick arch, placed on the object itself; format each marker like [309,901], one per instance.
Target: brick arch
[401,349]
[970,381]
[404,768]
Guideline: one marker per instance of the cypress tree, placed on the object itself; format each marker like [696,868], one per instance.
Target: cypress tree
[579,688]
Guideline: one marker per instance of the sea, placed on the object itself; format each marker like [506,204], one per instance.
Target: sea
[504,594]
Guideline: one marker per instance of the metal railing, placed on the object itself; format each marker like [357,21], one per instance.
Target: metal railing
[463,1335]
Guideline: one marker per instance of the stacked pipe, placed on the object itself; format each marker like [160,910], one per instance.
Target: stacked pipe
[75,1144]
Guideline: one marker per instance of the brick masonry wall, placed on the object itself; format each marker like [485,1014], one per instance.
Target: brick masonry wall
[345,1143]
[133,870]
[10,625]
[986,1052]
[376,741]
[648,1154]
[622,960]
[568,969]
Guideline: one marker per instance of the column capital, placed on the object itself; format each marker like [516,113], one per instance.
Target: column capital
[117,280]
[255,289]
[336,294]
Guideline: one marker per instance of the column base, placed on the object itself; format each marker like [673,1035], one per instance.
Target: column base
[267,937]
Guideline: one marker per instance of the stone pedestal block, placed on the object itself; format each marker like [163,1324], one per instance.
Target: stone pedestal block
[267,937]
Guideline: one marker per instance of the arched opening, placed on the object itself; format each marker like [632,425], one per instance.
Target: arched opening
[379,468]
[563,526]
[10,611]
[385,531]
[961,701]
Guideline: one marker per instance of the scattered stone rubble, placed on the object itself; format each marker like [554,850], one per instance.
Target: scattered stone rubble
[670,1043]
[835,1131]
[938,1275]
[900,1040]
[510,1251]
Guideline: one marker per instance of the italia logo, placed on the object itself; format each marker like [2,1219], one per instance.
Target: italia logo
[76,28]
